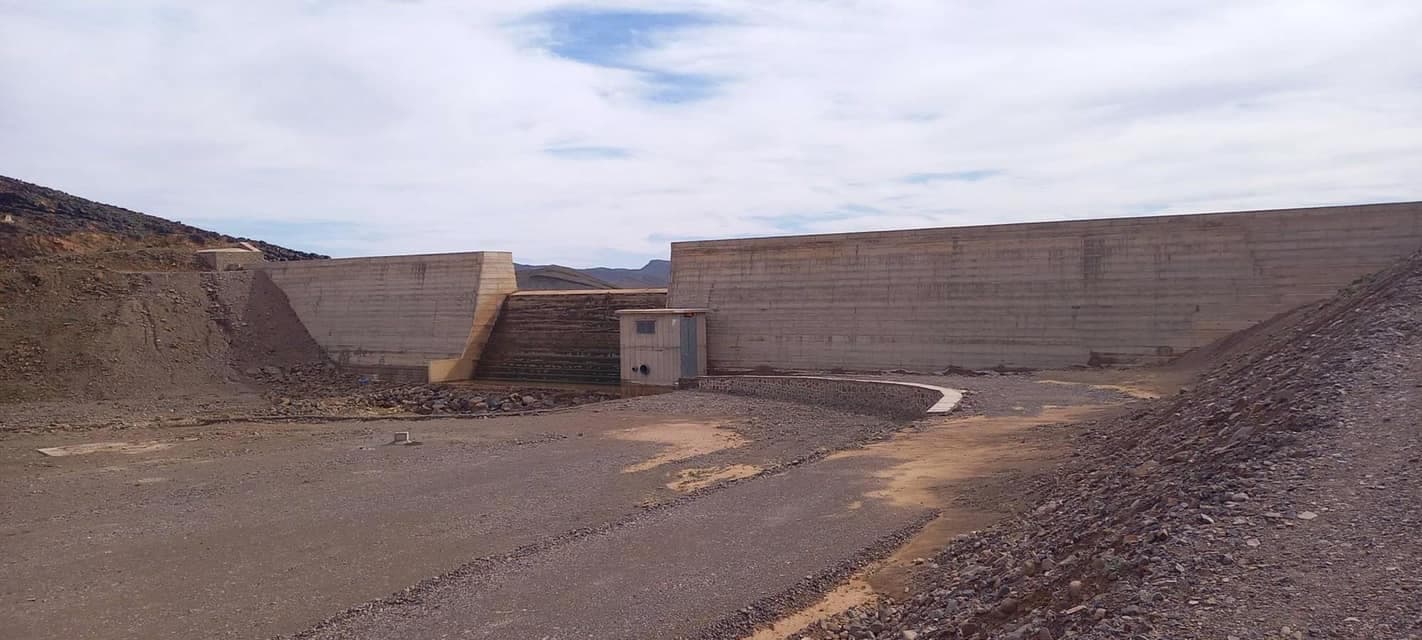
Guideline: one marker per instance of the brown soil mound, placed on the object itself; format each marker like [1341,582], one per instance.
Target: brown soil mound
[1269,501]
[76,332]
[99,302]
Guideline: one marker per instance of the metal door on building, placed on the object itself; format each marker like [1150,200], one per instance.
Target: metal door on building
[690,354]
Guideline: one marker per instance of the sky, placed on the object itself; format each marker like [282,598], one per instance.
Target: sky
[597,133]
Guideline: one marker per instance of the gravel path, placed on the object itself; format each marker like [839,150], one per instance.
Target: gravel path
[249,530]
[678,572]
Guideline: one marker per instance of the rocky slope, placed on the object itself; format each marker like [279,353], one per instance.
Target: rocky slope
[1274,499]
[101,334]
[36,221]
[99,302]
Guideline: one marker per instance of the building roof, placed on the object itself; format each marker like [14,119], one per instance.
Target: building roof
[650,312]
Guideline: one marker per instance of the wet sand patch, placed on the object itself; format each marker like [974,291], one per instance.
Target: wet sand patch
[683,441]
[698,477]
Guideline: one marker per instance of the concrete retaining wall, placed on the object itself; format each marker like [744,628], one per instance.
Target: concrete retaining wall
[562,336]
[898,401]
[392,316]
[1026,295]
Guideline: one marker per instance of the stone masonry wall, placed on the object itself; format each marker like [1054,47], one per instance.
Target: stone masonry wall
[902,402]
[1041,295]
[562,336]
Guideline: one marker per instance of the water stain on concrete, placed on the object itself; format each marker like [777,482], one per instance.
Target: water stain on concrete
[683,440]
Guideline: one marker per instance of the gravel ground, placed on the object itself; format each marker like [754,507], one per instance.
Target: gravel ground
[249,529]
[246,530]
[711,567]
[296,393]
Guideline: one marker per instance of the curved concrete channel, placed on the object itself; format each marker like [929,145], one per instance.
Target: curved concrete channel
[874,396]
[946,403]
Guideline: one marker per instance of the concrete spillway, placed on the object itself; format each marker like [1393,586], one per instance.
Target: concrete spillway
[561,336]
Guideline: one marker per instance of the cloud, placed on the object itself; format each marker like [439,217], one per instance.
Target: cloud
[589,152]
[971,175]
[598,131]
[815,222]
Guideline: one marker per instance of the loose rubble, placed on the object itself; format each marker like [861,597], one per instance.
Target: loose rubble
[321,388]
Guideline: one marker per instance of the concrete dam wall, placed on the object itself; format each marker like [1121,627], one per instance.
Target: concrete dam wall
[395,315]
[562,336]
[1036,295]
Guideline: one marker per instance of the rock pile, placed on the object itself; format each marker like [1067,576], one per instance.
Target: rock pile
[427,399]
[320,388]
[1163,509]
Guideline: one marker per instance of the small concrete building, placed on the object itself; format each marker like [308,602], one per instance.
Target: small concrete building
[230,258]
[662,346]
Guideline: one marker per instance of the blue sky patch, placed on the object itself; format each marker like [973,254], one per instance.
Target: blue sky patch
[609,37]
[613,38]
[587,152]
[972,175]
[328,236]
[678,87]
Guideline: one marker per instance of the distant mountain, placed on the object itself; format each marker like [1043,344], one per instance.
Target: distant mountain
[37,221]
[655,275]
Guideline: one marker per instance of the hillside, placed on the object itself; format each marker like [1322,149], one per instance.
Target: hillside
[36,221]
[98,301]
[655,274]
